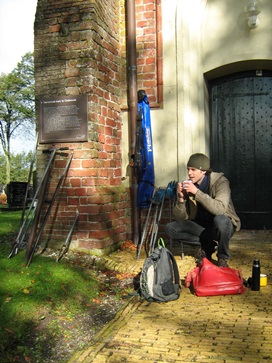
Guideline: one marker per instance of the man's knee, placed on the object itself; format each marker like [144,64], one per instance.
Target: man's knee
[223,226]
[168,229]
[222,222]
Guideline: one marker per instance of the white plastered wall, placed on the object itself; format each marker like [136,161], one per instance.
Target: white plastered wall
[201,39]
[228,41]
[179,128]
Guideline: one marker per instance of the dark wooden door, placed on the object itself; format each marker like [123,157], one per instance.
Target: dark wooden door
[241,143]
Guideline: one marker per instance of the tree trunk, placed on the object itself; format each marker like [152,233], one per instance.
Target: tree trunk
[7,156]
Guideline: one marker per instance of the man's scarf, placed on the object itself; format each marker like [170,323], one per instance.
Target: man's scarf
[203,217]
[205,184]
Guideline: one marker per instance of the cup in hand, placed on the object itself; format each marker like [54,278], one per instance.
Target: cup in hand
[186,184]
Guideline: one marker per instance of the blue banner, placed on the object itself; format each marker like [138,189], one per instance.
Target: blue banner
[146,177]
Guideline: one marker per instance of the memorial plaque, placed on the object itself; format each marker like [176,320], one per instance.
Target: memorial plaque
[64,119]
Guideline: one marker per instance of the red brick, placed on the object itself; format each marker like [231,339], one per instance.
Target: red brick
[71,72]
[54,28]
[75,182]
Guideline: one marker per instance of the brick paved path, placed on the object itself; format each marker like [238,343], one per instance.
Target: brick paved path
[227,329]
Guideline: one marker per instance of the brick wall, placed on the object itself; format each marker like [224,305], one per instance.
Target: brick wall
[77,52]
[80,48]
[149,50]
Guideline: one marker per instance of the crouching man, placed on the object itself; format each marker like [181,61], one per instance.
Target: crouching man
[204,210]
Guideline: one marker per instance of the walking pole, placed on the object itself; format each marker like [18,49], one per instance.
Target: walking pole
[171,193]
[49,209]
[153,228]
[156,224]
[145,227]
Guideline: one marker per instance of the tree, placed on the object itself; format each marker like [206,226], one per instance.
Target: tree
[19,168]
[2,172]
[17,106]
[20,165]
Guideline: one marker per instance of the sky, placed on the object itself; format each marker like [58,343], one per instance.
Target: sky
[16,39]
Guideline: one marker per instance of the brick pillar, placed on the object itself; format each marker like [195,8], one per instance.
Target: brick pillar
[77,51]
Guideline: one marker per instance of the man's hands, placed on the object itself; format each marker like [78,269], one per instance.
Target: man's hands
[184,188]
[189,187]
[180,193]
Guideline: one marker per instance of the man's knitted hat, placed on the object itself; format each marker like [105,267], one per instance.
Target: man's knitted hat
[199,161]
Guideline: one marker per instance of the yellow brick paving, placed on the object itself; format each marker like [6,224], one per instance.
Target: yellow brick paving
[221,329]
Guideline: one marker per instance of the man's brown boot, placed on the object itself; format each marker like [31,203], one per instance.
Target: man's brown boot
[201,254]
[222,263]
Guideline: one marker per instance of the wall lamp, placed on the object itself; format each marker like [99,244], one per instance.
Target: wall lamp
[252,10]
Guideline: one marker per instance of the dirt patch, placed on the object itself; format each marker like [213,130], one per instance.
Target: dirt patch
[59,336]
[77,332]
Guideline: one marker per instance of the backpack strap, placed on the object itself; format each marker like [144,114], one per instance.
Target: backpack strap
[175,268]
[174,262]
[161,242]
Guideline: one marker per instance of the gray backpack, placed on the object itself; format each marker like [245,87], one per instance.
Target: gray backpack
[159,279]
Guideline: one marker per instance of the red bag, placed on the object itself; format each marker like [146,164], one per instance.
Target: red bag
[211,280]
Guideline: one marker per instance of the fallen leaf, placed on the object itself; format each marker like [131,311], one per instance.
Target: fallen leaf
[128,245]
[26,291]
[8,330]
[123,276]
[97,301]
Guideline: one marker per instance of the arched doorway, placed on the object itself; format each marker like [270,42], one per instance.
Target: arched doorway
[241,142]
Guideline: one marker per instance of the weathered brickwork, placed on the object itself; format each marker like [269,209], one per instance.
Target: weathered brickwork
[148,19]
[149,49]
[80,48]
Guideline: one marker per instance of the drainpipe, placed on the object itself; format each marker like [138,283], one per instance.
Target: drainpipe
[133,106]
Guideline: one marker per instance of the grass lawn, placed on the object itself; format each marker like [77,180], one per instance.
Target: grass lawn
[9,221]
[41,306]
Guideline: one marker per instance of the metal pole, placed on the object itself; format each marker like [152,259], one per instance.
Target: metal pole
[133,105]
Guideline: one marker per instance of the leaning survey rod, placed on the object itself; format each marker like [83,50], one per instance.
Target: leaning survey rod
[49,209]
[66,245]
[18,240]
[29,178]
[32,234]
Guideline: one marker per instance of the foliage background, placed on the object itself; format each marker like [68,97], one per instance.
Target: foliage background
[17,116]
[20,164]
